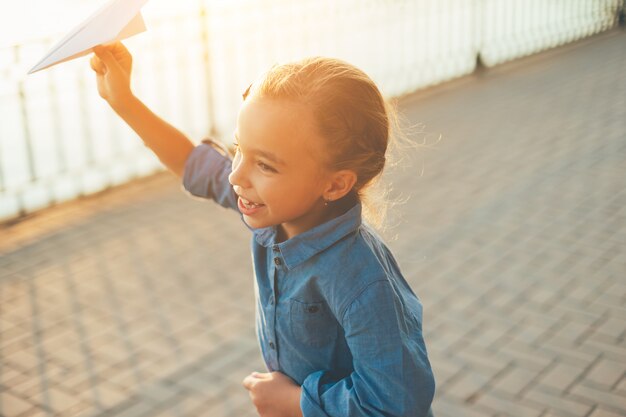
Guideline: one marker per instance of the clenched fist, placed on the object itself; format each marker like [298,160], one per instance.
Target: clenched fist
[273,394]
[112,64]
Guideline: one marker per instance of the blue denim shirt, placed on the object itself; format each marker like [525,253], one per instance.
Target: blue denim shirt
[333,311]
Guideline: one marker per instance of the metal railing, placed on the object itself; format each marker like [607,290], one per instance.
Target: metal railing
[59,140]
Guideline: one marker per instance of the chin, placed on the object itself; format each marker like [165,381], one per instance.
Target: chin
[256,224]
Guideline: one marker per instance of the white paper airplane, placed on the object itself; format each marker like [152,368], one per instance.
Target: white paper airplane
[117,20]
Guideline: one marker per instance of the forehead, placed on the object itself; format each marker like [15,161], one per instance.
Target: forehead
[284,128]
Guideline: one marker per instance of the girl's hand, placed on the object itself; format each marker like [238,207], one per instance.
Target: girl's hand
[273,394]
[113,65]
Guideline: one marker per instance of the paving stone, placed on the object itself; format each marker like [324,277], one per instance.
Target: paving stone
[561,376]
[606,372]
[105,394]
[610,400]
[78,409]
[599,344]
[57,400]
[469,385]
[205,384]
[181,406]
[28,387]
[227,405]
[444,370]
[532,358]
[129,378]
[36,412]
[11,405]
[603,412]
[620,389]
[480,359]
[10,377]
[25,359]
[446,407]
[500,403]
[612,327]
[553,399]
[134,409]
[566,354]
[514,380]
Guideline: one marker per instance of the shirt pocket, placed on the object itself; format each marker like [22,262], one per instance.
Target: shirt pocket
[312,323]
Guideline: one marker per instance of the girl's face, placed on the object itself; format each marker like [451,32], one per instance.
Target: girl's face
[277,170]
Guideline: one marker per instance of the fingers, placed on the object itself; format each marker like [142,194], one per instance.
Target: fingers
[118,50]
[97,65]
[255,377]
[112,47]
[249,381]
[103,53]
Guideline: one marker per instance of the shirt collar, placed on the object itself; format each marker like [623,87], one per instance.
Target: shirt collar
[305,245]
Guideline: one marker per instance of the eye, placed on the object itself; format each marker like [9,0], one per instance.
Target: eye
[265,167]
[236,147]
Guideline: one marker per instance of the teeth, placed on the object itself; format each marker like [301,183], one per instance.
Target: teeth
[249,204]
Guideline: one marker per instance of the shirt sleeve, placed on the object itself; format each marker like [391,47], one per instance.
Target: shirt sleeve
[392,375]
[206,175]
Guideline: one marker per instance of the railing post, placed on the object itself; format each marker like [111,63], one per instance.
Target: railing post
[26,128]
[478,18]
[206,47]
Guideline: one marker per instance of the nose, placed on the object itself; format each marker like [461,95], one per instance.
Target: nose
[238,177]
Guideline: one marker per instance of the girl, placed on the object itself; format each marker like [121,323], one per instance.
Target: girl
[339,327]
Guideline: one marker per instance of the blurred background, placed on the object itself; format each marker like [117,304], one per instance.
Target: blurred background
[58,140]
[121,296]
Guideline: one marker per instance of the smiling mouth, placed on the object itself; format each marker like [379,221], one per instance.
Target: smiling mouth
[249,204]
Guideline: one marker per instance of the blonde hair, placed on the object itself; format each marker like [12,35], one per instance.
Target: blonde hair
[351,114]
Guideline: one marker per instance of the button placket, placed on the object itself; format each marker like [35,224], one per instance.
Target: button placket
[272,303]
[276,254]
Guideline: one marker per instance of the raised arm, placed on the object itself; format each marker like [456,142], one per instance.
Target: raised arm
[113,65]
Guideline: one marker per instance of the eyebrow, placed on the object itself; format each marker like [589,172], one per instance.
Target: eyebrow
[265,154]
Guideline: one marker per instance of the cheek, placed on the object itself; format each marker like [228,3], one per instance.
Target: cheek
[271,190]
[297,192]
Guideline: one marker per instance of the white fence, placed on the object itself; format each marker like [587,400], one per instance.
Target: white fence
[58,139]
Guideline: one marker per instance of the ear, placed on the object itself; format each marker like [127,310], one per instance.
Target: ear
[340,184]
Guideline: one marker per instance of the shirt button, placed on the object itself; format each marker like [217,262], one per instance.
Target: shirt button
[278,262]
[275,248]
[272,345]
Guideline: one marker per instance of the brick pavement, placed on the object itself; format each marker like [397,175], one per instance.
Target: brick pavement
[129,303]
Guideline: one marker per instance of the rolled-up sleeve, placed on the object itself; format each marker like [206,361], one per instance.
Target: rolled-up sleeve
[392,374]
[206,175]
